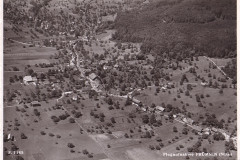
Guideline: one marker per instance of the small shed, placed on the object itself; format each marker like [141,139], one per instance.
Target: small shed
[35,104]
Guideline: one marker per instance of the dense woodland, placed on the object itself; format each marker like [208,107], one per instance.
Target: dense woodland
[207,27]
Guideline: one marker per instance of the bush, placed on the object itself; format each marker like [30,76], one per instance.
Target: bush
[70,145]
[90,155]
[85,151]
[23,136]
[51,134]
[71,120]
[43,133]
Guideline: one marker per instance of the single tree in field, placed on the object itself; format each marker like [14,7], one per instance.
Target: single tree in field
[175,129]
[113,120]
[70,145]
[152,119]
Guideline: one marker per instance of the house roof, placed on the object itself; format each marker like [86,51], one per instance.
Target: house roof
[92,76]
[35,102]
[28,78]
[160,108]
[197,128]
[188,120]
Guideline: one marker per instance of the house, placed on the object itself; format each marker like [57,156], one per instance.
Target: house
[160,108]
[92,76]
[204,83]
[227,137]
[134,100]
[163,88]
[105,67]
[188,121]
[197,128]
[214,129]
[181,116]
[75,97]
[207,130]
[116,66]
[35,103]
[29,79]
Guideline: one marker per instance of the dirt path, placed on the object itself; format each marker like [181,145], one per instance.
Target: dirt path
[217,67]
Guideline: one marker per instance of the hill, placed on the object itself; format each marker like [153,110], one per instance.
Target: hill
[207,27]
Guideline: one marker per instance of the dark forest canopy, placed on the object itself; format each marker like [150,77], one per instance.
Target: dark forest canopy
[206,26]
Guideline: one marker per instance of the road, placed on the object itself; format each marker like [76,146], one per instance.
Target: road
[217,67]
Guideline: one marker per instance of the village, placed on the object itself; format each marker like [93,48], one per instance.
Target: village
[113,100]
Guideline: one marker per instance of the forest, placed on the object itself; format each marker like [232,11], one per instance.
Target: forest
[206,27]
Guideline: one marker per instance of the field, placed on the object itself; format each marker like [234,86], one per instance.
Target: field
[44,145]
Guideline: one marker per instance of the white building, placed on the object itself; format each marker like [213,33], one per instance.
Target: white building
[29,79]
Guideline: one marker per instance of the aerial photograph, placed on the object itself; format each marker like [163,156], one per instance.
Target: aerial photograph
[119,80]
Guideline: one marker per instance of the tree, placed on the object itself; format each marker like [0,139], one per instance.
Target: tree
[151,147]
[198,98]
[175,129]
[71,120]
[110,101]
[145,119]
[221,91]
[218,136]
[36,112]
[70,145]
[152,119]
[85,151]
[113,120]
[11,80]
[128,101]
[23,136]
[185,131]
[148,134]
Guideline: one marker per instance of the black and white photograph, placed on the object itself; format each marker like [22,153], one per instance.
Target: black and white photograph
[119,80]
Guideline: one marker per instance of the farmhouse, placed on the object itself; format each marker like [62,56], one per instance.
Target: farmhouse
[197,128]
[75,97]
[206,131]
[92,76]
[134,100]
[105,67]
[188,121]
[35,103]
[214,129]
[159,108]
[29,79]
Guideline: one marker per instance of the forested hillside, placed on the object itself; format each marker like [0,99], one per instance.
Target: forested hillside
[207,27]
